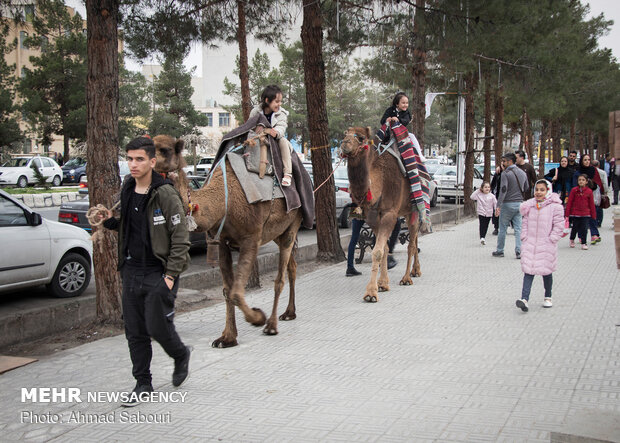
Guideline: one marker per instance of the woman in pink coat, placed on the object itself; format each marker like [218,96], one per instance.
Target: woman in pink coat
[542,228]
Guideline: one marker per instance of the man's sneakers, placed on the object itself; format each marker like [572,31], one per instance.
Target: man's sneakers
[391,261]
[547,303]
[595,239]
[522,304]
[352,272]
[518,255]
[497,254]
[135,398]
[483,241]
[181,369]
[584,246]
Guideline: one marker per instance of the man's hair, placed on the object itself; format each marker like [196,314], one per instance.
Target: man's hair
[521,154]
[573,152]
[595,163]
[145,143]
[397,98]
[510,156]
[269,93]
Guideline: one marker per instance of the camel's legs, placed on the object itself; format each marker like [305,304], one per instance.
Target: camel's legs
[379,255]
[247,255]
[413,244]
[290,314]
[286,241]
[383,284]
[229,335]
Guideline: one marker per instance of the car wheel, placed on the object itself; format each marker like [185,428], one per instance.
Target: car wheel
[22,182]
[434,199]
[345,221]
[72,276]
[57,181]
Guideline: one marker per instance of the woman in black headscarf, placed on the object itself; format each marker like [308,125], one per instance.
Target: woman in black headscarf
[585,167]
[561,179]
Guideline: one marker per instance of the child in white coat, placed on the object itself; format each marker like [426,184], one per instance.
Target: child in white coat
[487,202]
[270,106]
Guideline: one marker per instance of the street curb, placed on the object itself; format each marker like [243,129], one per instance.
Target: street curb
[36,323]
[46,200]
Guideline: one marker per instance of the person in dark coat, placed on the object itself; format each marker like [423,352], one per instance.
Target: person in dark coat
[529,170]
[561,179]
[398,112]
[594,181]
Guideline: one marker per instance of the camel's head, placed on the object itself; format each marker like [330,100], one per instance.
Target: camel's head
[168,153]
[355,139]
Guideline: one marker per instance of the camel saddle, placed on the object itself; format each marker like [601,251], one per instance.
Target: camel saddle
[298,195]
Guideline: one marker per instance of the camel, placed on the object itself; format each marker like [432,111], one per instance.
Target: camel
[247,226]
[378,177]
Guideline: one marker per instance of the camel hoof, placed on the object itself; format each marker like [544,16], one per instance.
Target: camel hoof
[370,298]
[262,318]
[223,343]
[270,330]
[406,282]
[287,317]
[416,274]
[384,288]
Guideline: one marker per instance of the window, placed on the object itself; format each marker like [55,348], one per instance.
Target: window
[44,43]
[11,214]
[47,163]
[224,118]
[29,12]
[36,163]
[23,74]
[23,35]
[209,116]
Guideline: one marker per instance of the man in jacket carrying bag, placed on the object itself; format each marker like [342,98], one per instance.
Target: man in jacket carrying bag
[153,245]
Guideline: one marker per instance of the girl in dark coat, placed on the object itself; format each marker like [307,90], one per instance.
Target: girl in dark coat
[398,112]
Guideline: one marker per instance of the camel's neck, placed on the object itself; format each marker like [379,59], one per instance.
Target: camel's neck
[207,198]
[358,167]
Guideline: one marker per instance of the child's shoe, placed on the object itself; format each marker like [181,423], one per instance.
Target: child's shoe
[483,241]
[286,180]
[572,244]
[547,303]
[595,239]
[522,304]
[584,246]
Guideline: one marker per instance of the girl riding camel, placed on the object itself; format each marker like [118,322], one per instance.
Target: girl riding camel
[270,106]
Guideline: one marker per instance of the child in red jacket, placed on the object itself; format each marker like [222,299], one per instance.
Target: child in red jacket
[580,208]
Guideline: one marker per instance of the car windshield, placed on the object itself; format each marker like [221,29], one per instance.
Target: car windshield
[341,173]
[205,161]
[16,162]
[75,162]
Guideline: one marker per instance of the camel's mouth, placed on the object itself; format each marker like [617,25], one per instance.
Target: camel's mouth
[351,144]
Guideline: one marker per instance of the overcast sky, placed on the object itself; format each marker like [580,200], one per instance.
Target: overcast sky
[611,9]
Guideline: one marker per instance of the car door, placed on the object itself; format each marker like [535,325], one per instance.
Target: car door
[25,249]
[34,163]
[48,169]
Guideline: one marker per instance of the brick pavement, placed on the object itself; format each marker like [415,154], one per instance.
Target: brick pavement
[448,359]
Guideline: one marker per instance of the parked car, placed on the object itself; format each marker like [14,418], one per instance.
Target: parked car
[19,171]
[343,199]
[74,170]
[445,177]
[432,164]
[204,165]
[37,252]
[123,168]
[75,213]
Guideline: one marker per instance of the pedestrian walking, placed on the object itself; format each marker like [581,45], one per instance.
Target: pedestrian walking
[486,204]
[580,208]
[356,228]
[513,186]
[561,179]
[153,245]
[572,162]
[495,187]
[602,194]
[594,182]
[529,170]
[543,224]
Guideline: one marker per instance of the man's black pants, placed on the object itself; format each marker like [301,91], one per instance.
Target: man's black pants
[148,312]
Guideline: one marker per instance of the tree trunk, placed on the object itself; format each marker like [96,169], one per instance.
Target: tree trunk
[525,134]
[499,124]
[571,136]
[102,145]
[555,135]
[65,150]
[488,131]
[543,146]
[471,82]
[328,238]
[419,73]
[582,142]
[244,75]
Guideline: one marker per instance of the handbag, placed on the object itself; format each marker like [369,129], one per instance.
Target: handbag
[566,230]
[604,202]
[597,196]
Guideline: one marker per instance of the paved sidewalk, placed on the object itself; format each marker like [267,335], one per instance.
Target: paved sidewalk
[448,359]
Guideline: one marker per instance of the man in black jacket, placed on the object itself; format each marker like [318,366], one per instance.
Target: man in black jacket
[153,245]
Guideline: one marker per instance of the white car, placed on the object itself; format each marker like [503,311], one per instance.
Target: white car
[20,171]
[37,252]
[445,177]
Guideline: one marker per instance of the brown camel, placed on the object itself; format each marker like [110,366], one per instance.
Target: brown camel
[247,226]
[378,177]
